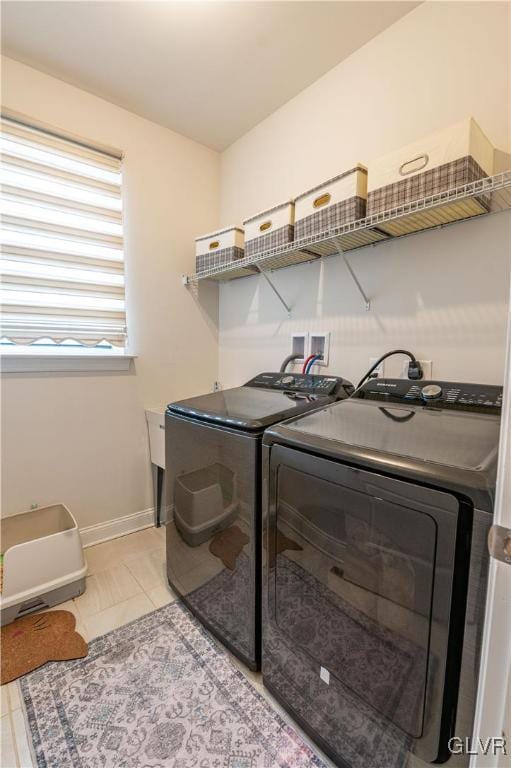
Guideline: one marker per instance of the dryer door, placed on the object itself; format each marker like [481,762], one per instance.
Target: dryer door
[361,584]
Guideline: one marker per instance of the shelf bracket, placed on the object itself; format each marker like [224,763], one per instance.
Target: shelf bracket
[274,289]
[355,279]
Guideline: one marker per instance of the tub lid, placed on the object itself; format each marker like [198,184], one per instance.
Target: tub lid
[218,232]
[246,408]
[268,211]
[358,167]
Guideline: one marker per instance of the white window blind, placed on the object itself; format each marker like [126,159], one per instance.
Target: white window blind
[62,265]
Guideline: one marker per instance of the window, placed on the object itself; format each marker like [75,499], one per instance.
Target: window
[61,238]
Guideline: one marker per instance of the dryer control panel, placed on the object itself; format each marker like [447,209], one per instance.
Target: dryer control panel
[483,398]
[305,383]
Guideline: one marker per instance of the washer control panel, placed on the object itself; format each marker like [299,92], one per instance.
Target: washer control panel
[485,398]
[305,383]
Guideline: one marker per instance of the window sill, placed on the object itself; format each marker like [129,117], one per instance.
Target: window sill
[42,362]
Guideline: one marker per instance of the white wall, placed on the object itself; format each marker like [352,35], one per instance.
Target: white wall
[443,294]
[81,438]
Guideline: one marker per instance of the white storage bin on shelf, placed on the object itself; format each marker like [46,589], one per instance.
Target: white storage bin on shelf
[43,561]
[442,161]
[269,229]
[219,248]
[335,202]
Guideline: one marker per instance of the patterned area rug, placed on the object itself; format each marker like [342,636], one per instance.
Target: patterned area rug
[225,601]
[315,626]
[379,665]
[157,693]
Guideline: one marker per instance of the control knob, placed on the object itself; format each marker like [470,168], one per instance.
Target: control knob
[287,380]
[431,392]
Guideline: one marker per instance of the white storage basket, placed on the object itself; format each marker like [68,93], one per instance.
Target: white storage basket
[219,248]
[269,229]
[332,204]
[436,163]
[43,561]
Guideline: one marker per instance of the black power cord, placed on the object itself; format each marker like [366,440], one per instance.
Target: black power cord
[414,367]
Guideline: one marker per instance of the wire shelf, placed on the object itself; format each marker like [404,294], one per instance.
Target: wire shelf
[488,195]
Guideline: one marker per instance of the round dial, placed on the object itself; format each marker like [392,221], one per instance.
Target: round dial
[431,392]
[287,380]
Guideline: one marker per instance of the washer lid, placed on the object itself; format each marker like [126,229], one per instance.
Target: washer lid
[246,408]
[450,438]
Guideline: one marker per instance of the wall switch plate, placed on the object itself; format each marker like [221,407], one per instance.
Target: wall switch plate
[320,345]
[299,345]
[379,373]
[427,370]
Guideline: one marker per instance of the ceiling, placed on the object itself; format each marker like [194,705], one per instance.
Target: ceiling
[209,70]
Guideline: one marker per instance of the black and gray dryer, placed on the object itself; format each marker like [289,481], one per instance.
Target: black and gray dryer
[213,459]
[376,512]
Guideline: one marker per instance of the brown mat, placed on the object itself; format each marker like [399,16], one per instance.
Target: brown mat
[283,543]
[228,544]
[29,642]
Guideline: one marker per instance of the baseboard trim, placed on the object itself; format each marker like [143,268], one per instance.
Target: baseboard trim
[113,529]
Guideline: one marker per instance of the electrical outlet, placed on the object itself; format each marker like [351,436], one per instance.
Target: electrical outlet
[299,345]
[378,373]
[320,345]
[427,369]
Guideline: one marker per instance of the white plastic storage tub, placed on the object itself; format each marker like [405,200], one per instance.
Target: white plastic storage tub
[219,248]
[43,561]
[156,427]
[205,501]
[442,161]
[269,229]
[332,204]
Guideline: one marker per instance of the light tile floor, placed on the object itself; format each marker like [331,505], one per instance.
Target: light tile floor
[126,578]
